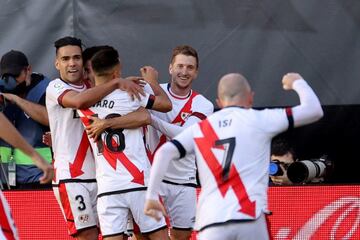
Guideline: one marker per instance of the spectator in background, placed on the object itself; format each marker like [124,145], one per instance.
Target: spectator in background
[283,154]
[24,93]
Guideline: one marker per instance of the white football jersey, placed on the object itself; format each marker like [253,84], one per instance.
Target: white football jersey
[121,160]
[184,170]
[232,150]
[73,158]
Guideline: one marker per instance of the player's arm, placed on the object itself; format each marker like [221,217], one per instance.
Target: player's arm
[13,137]
[138,118]
[166,153]
[162,102]
[35,111]
[171,151]
[171,130]
[87,98]
[310,109]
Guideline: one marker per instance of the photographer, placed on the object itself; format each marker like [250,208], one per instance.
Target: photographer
[286,169]
[282,154]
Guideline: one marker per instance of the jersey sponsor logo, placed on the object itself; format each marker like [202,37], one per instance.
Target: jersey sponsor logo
[341,216]
[226,174]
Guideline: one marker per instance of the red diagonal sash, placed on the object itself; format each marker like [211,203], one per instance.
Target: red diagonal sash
[179,119]
[112,157]
[205,144]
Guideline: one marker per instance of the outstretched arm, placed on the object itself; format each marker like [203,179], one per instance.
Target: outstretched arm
[310,109]
[166,153]
[13,137]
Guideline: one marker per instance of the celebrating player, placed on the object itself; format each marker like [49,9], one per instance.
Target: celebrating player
[232,150]
[74,184]
[122,166]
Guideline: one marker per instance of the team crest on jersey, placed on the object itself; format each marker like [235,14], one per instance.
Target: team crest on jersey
[185,115]
[84,218]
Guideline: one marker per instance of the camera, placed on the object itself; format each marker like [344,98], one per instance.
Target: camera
[275,169]
[313,170]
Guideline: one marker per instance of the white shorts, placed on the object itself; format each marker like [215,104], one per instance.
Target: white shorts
[114,211]
[77,201]
[7,226]
[247,230]
[180,204]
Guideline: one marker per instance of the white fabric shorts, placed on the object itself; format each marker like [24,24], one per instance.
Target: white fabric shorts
[237,230]
[78,204]
[114,211]
[180,205]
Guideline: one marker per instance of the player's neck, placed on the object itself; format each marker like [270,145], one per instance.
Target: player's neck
[101,80]
[181,92]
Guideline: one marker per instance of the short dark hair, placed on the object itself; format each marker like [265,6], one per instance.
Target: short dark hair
[89,52]
[280,147]
[104,60]
[187,51]
[65,41]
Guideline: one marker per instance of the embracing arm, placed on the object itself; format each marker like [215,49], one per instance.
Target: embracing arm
[87,98]
[138,118]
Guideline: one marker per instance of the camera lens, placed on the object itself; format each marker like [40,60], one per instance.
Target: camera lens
[275,169]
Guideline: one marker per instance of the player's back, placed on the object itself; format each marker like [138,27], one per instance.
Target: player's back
[233,145]
[122,163]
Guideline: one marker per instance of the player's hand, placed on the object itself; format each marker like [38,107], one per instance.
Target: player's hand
[154,209]
[289,79]
[46,167]
[96,127]
[132,85]
[46,139]
[150,74]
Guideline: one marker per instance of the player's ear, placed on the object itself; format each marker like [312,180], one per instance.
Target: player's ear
[170,68]
[56,64]
[251,98]
[219,103]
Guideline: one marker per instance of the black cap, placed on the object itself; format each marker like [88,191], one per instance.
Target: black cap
[13,63]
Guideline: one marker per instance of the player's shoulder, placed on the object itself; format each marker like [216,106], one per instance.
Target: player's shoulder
[201,101]
[56,85]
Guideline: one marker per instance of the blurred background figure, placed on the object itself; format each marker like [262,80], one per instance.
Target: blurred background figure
[24,94]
